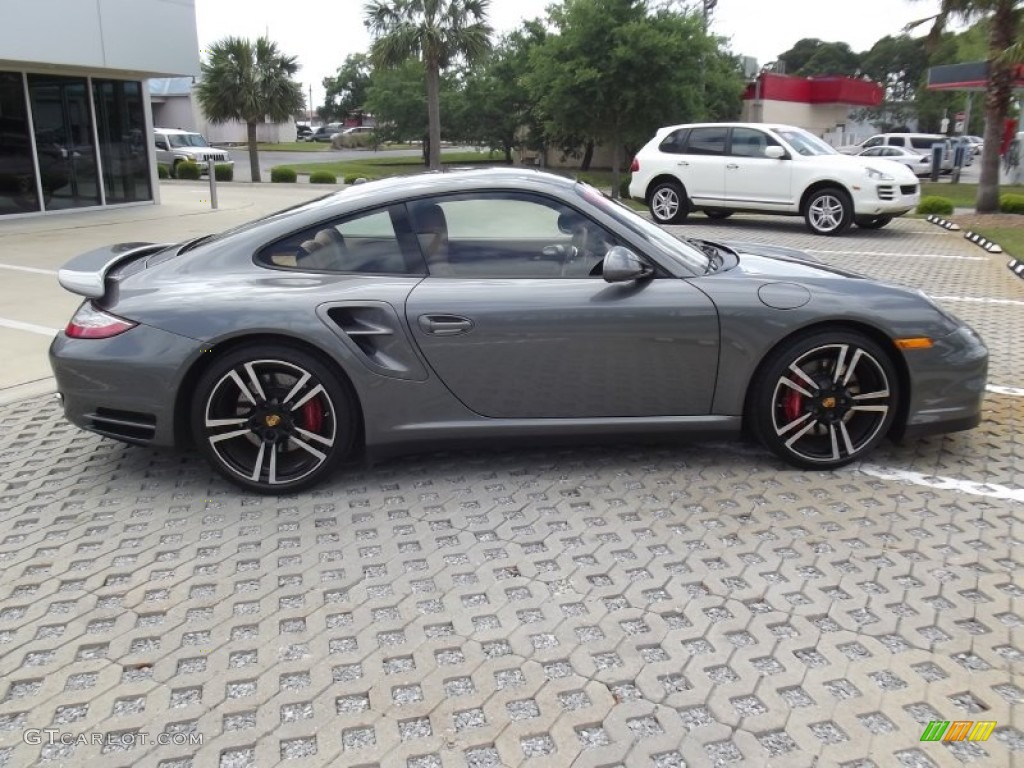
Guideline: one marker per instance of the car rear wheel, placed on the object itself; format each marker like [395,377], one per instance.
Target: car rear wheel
[828,211]
[717,213]
[272,419]
[872,222]
[668,203]
[825,399]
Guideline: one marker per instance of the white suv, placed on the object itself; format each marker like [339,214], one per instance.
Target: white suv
[722,168]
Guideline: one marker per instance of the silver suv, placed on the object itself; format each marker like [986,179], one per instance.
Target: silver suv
[174,146]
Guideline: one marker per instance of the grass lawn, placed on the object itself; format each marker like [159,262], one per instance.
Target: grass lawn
[963,195]
[378,167]
[1011,238]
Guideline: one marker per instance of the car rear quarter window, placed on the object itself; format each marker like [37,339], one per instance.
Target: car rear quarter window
[367,243]
[707,141]
[675,142]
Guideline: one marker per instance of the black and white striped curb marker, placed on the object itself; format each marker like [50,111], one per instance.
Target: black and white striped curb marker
[984,242]
[943,222]
[1017,267]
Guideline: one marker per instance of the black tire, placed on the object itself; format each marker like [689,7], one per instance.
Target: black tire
[240,409]
[717,213]
[668,203]
[833,412]
[872,222]
[828,211]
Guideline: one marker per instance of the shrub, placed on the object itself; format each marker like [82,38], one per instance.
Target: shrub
[187,170]
[322,177]
[354,140]
[224,172]
[352,178]
[1011,203]
[941,206]
[162,171]
[282,175]
[624,188]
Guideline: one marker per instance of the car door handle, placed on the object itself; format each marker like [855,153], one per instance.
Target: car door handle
[732,166]
[445,325]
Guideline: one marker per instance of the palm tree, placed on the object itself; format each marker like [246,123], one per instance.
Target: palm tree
[1004,25]
[251,83]
[434,31]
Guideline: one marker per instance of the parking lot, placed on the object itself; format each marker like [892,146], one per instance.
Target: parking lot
[697,604]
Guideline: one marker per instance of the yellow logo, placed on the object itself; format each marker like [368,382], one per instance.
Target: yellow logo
[829,402]
[272,420]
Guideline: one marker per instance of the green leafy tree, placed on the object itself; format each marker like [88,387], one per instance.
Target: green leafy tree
[898,64]
[831,59]
[494,102]
[249,82]
[437,33]
[803,51]
[1004,26]
[612,71]
[345,93]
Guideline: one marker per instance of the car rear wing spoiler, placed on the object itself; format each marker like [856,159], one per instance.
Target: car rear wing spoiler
[86,274]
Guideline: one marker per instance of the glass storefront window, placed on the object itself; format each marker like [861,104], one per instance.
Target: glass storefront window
[64,141]
[17,172]
[120,122]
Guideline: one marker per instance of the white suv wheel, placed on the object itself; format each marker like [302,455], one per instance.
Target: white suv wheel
[829,212]
[668,203]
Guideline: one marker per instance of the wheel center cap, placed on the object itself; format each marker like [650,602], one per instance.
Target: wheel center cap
[272,420]
[828,402]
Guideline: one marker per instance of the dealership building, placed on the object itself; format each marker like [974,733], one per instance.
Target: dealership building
[75,113]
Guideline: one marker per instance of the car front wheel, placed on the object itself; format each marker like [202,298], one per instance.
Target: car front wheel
[825,399]
[272,419]
[668,203]
[829,211]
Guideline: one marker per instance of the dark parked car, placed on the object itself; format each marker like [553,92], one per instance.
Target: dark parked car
[324,132]
[302,132]
[489,304]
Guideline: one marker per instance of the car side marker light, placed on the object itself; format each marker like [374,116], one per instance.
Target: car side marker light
[917,342]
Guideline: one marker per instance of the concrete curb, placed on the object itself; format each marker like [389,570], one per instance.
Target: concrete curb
[1017,267]
[983,242]
[944,223]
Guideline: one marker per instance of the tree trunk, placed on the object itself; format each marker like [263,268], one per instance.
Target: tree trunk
[616,166]
[588,156]
[508,154]
[254,155]
[425,149]
[434,114]
[998,94]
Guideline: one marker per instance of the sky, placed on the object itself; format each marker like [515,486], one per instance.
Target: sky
[321,33]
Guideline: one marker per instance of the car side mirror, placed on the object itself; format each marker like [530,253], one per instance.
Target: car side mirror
[775,152]
[621,265]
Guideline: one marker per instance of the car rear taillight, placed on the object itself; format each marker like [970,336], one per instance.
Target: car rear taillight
[635,166]
[92,323]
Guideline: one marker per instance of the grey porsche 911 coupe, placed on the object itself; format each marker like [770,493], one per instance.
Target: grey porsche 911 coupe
[483,305]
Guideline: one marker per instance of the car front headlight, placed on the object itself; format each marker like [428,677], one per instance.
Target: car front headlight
[876,175]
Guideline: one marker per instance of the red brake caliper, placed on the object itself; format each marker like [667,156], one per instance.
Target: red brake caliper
[791,405]
[313,415]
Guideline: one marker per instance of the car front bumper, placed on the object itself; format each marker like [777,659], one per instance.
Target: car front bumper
[123,387]
[948,384]
[886,198]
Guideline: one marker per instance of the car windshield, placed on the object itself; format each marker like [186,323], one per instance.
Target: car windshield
[187,140]
[803,142]
[694,260]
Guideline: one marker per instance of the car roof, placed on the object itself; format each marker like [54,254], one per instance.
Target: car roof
[173,130]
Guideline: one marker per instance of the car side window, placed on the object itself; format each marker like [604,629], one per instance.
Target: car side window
[675,142]
[507,235]
[873,152]
[367,243]
[891,152]
[707,141]
[750,142]
[897,141]
[873,142]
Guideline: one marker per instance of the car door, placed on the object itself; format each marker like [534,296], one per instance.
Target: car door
[701,166]
[515,324]
[163,149]
[753,180]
